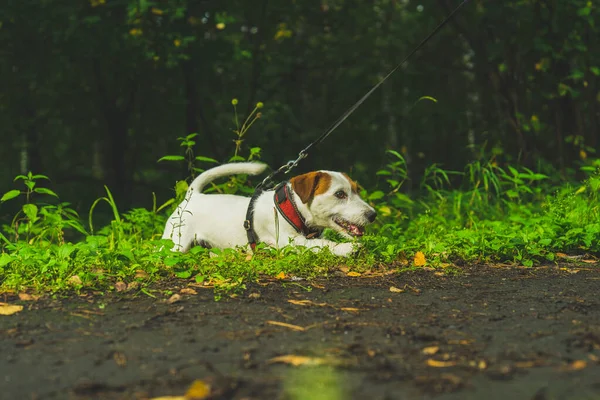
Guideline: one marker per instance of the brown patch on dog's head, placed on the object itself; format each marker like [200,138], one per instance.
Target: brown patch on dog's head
[353,184]
[308,185]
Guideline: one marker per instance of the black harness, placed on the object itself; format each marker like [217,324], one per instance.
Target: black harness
[286,206]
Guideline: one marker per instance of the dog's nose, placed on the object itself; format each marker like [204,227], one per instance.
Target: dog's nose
[371,215]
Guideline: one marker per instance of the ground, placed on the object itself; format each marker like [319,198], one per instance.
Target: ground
[483,333]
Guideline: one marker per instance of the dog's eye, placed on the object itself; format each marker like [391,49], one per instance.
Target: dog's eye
[340,194]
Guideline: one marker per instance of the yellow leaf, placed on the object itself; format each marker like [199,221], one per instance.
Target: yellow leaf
[394,289]
[189,291]
[297,360]
[220,26]
[352,273]
[198,390]
[135,32]
[28,297]
[156,11]
[177,42]
[385,211]
[430,350]
[577,365]
[9,309]
[440,364]
[419,260]
[75,280]
[280,275]
[351,309]
[289,326]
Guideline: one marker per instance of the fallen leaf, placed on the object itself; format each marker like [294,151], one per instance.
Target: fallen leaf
[75,280]
[371,353]
[28,297]
[351,309]
[120,359]
[120,286]
[419,259]
[133,285]
[9,309]
[430,350]
[141,274]
[280,275]
[254,296]
[297,360]
[174,299]
[440,364]
[352,273]
[482,365]
[589,261]
[561,255]
[577,365]
[394,289]
[289,326]
[188,291]
[198,390]
[593,357]
[306,303]
[249,257]
[344,269]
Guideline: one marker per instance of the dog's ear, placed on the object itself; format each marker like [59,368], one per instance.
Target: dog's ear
[310,184]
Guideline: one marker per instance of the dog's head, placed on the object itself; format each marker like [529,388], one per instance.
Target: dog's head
[331,200]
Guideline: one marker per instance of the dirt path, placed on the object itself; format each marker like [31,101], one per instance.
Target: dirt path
[489,333]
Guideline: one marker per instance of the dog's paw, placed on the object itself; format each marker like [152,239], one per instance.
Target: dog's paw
[345,249]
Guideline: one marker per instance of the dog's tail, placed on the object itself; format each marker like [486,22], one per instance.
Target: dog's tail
[250,168]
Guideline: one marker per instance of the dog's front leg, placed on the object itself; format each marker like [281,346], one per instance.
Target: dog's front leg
[339,249]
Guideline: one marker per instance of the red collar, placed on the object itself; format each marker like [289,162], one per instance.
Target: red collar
[286,206]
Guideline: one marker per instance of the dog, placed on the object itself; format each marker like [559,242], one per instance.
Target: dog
[296,212]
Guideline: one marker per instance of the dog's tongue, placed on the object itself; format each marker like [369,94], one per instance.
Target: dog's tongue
[356,230]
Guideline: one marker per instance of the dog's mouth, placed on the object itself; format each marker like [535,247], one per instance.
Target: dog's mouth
[349,228]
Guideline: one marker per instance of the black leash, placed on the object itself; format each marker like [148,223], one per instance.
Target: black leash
[268,182]
[286,168]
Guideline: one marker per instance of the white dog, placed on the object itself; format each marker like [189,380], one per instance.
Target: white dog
[294,212]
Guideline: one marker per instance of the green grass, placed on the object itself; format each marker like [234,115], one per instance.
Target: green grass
[484,214]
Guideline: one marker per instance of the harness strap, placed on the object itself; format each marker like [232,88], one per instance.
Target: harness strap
[249,222]
[284,202]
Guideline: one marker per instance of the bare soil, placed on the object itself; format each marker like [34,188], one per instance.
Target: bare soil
[485,333]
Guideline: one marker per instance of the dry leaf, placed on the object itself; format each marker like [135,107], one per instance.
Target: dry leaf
[419,260]
[561,255]
[589,261]
[254,296]
[141,274]
[440,364]
[394,289]
[188,291]
[430,350]
[198,390]
[9,309]
[577,365]
[133,285]
[344,269]
[306,303]
[249,257]
[75,280]
[174,299]
[371,353]
[352,273]
[482,365]
[351,309]
[289,326]
[120,286]
[120,359]
[28,297]
[280,275]
[297,360]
